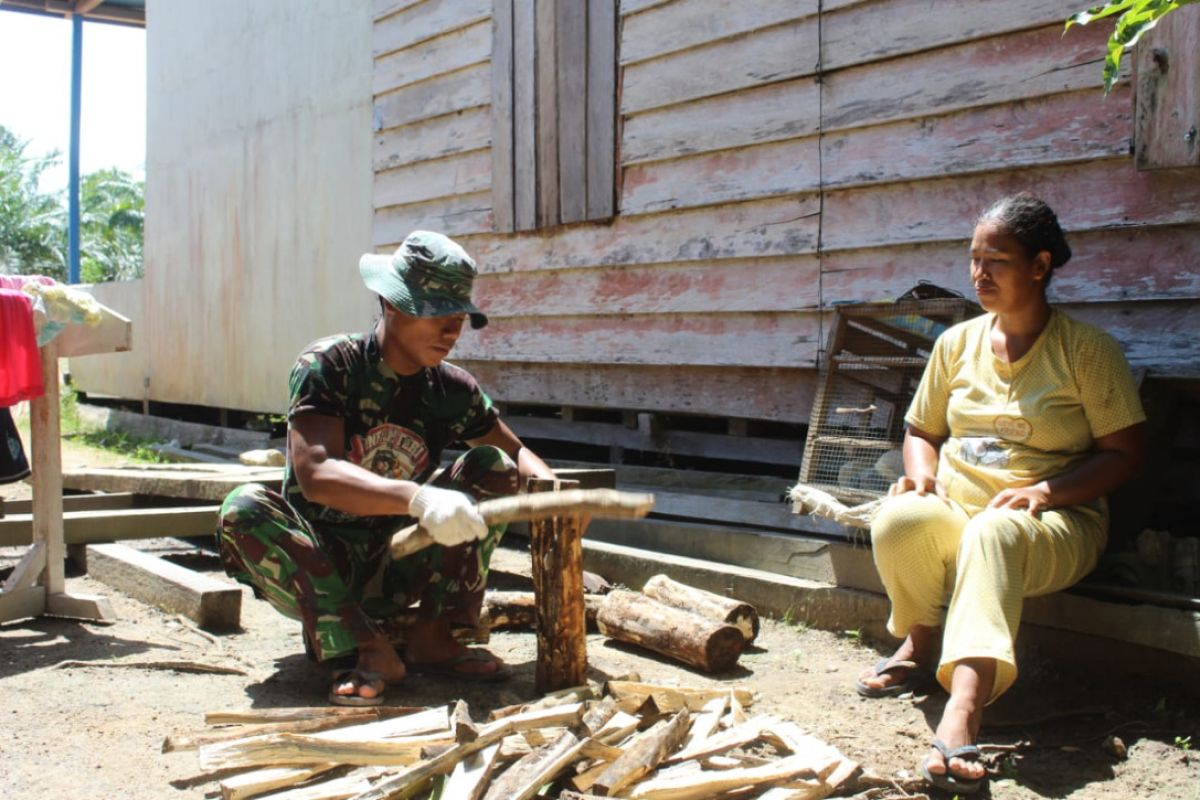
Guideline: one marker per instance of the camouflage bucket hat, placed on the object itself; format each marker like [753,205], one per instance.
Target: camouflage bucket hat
[429,275]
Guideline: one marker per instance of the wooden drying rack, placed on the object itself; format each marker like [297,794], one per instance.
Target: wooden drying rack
[37,586]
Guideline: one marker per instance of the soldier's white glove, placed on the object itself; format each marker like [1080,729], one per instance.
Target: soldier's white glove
[450,517]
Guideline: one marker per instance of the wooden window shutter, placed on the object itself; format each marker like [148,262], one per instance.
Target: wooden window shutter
[1167,113]
[554,70]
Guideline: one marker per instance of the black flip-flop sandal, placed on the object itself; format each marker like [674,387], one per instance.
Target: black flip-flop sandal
[948,780]
[917,679]
[362,677]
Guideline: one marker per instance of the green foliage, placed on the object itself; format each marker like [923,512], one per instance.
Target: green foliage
[31,222]
[1136,17]
[1183,742]
[111,218]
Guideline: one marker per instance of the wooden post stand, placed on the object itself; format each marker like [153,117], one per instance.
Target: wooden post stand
[37,585]
[556,547]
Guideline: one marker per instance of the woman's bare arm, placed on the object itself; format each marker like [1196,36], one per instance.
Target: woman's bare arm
[921,451]
[1115,459]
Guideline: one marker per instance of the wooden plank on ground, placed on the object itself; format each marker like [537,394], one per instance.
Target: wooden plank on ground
[213,605]
[186,481]
[76,502]
[523,779]
[248,784]
[470,777]
[643,755]
[87,527]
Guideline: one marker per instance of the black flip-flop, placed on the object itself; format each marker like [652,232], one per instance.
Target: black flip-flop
[362,677]
[448,668]
[917,678]
[948,780]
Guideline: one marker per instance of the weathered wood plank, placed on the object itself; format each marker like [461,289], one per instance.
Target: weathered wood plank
[878,30]
[1098,271]
[421,21]
[456,132]
[767,56]
[445,53]
[385,8]
[444,94]
[753,172]
[463,173]
[546,79]
[1160,336]
[714,340]
[1168,93]
[502,114]
[688,23]
[629,7]
[213,605]
[1000,69]
[82,527]
[1095,194]
[739,230]
[248,784]
[454,216]
[601,108]
[735,285]
[784,395]
[524,116]
[763,114]
[1044,130]
[572,97]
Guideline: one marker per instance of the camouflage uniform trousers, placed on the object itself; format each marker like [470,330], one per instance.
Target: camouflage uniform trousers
[339,581]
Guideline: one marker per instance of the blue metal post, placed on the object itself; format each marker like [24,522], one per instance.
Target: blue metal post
[73,157]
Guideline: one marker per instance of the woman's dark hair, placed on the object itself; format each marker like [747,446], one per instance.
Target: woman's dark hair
[1032,223]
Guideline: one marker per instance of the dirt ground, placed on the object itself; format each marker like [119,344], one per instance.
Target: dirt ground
[95,730]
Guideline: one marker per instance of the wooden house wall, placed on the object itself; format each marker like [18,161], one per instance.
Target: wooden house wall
[753,195]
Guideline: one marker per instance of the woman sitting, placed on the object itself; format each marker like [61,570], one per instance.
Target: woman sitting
[1023,421]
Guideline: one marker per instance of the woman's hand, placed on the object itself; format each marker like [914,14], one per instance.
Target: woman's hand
[921,484]
[1033,499]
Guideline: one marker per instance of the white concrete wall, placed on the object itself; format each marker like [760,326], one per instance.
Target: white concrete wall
[258,194]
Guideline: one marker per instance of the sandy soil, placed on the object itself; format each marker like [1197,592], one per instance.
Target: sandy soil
[95,730]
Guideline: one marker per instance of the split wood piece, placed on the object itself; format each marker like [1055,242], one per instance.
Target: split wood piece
[702,643]
[705,723]
[295,748]
[573,694]
[180,742]
[556,552]
[569,795]
[737,713]
[594,503]
[341,788]
[394,741]
[747,732]
[618,728]
[460,721]
[514,747]
[815,789]
[175,666]
[411,781]
[696,641]
[670,698]
[212,604]
[518,610]
[584,780]
[643,755]
[599,715]
[248,784]
[522,780]
[471,775]
[713,606]
[266,715]
[708,784]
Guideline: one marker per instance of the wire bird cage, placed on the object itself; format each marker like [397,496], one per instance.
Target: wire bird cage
[878,353]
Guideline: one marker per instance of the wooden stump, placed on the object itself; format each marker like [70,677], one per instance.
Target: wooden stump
[638,619]
[556,548]
[707,604]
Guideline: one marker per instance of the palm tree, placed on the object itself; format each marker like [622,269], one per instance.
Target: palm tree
[112,217]
[31,222]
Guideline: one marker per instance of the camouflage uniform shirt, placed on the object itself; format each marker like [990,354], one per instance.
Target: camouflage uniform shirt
[395,425]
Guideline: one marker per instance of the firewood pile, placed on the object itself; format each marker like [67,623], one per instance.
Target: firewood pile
[630,740]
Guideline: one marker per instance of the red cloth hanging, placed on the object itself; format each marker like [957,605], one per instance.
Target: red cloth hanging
[20,362]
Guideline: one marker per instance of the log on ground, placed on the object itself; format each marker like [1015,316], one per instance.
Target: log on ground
[696,641]
[706,604]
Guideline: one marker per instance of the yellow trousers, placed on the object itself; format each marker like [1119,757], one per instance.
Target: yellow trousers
[927,549]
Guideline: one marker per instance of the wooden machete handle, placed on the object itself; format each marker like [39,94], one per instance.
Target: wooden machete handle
[600,503]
